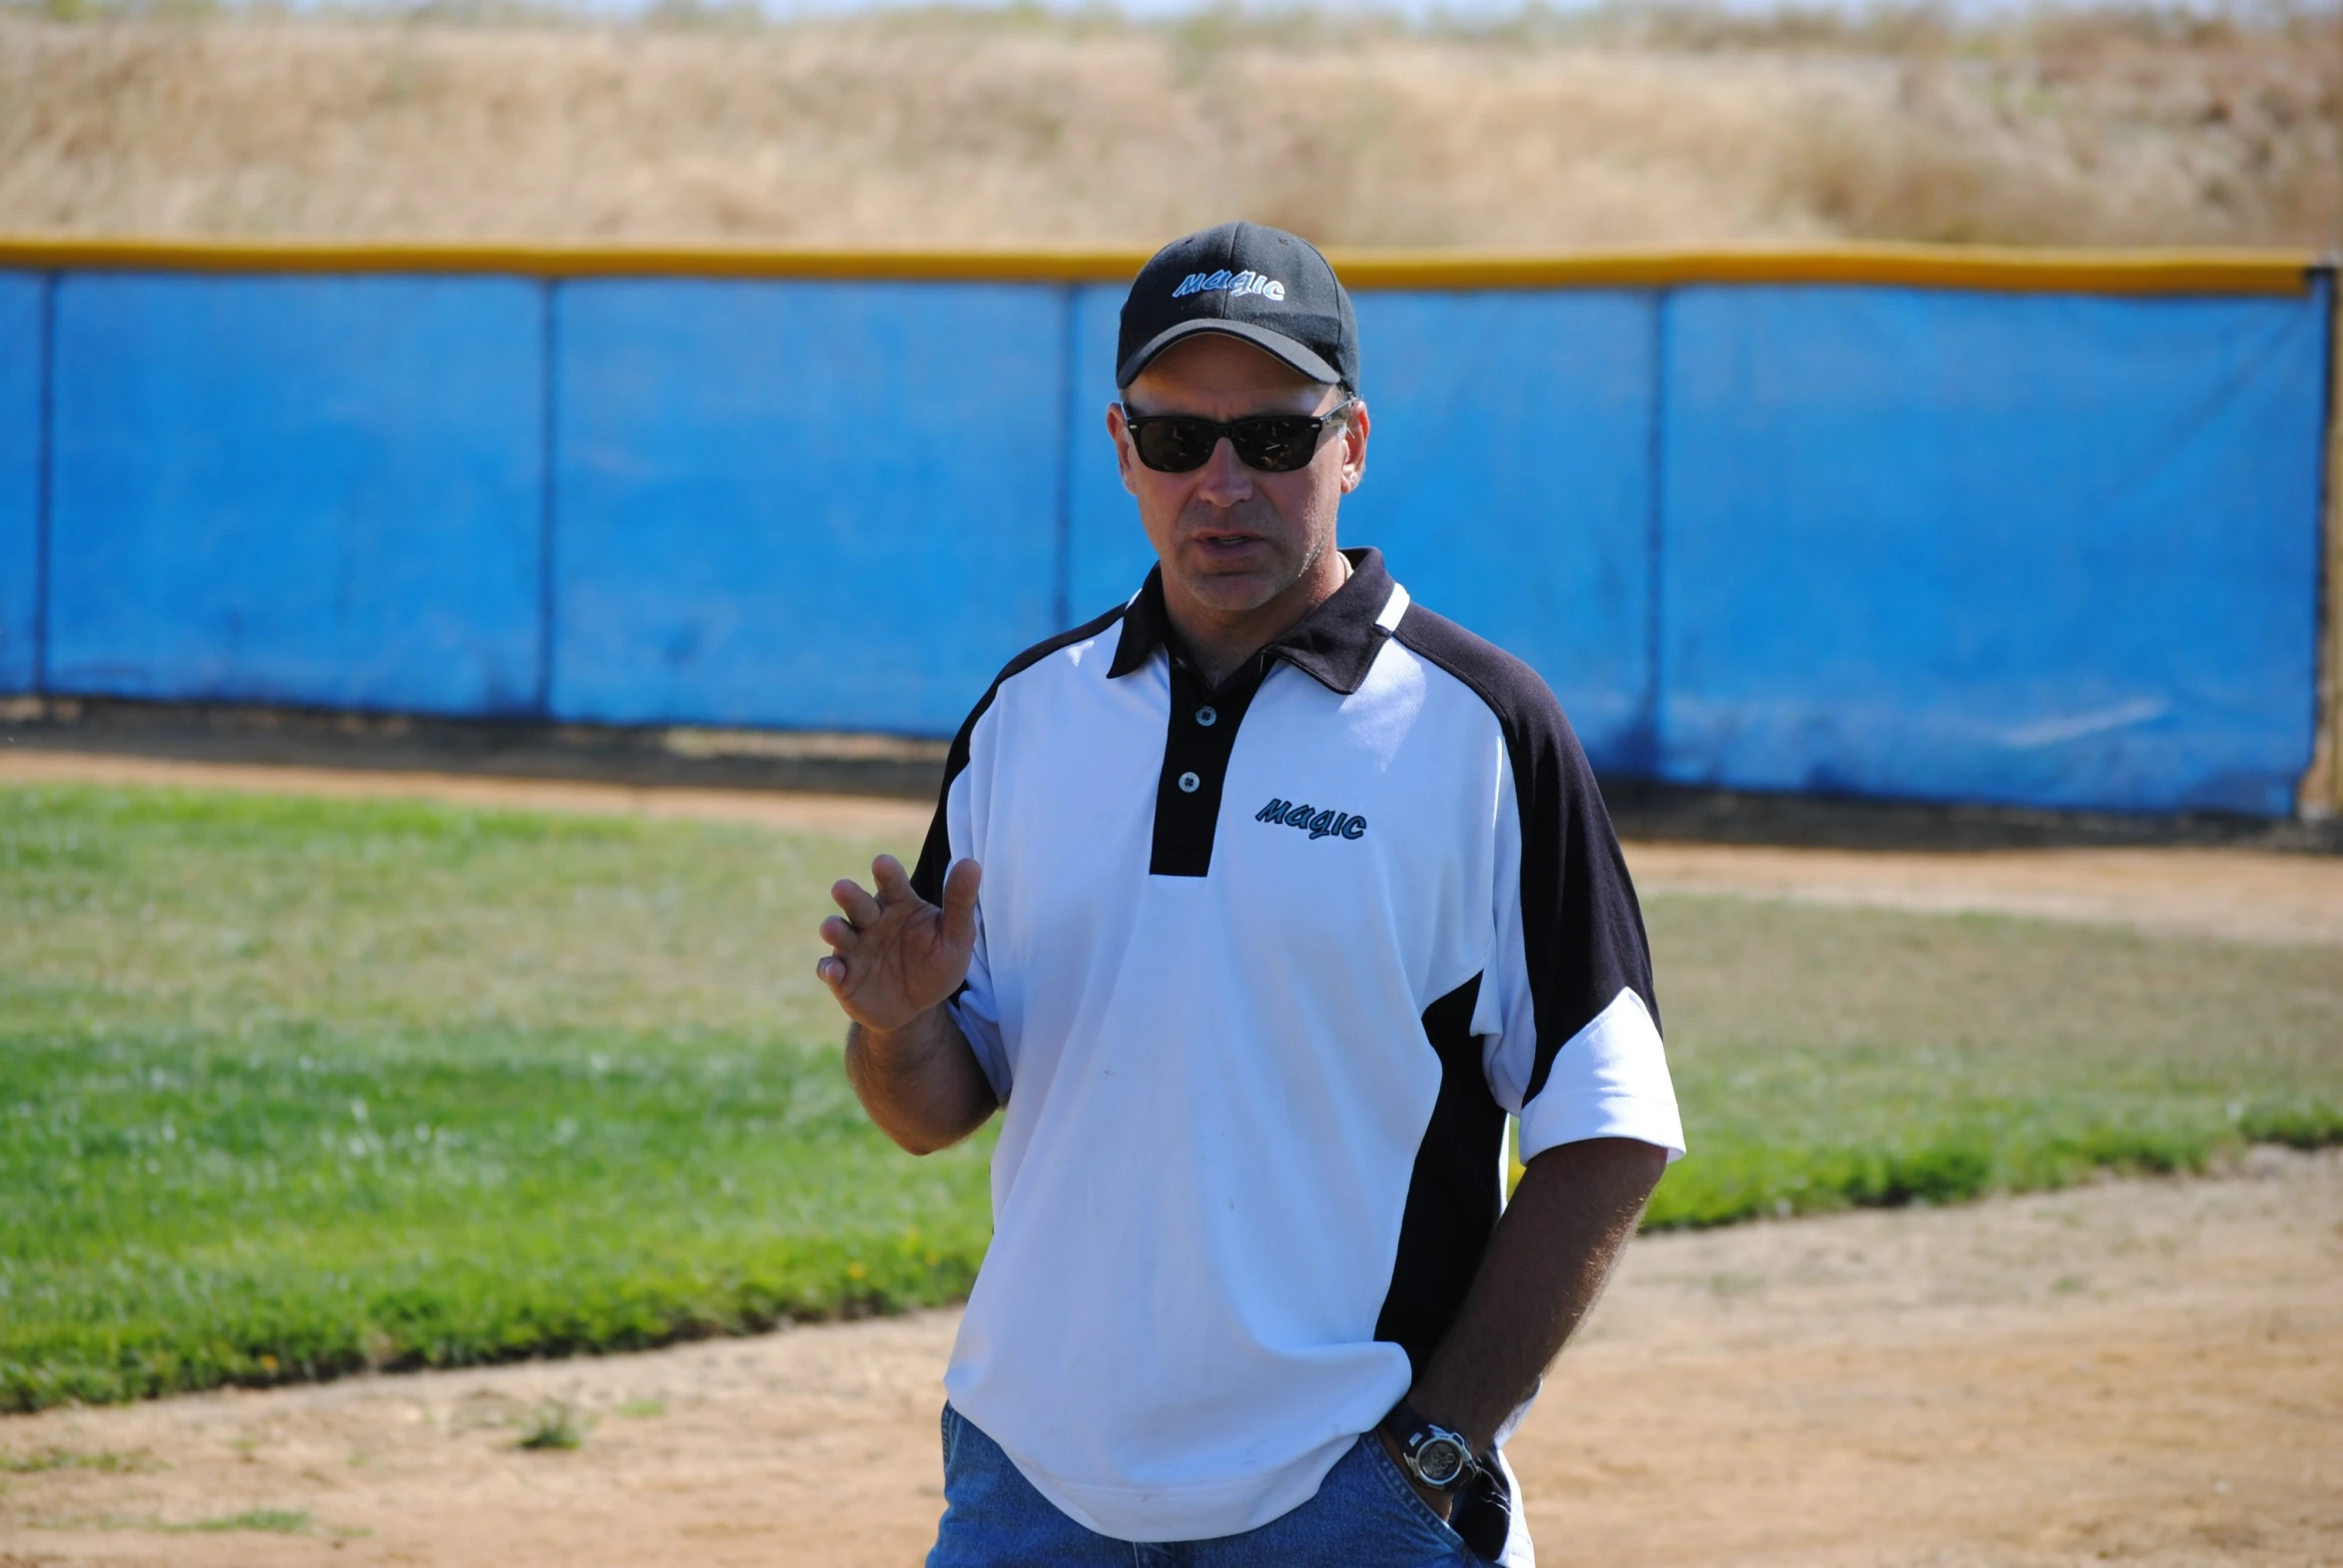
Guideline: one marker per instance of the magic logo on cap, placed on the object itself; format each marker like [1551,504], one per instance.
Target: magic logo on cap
[1262,286]
[1235,283]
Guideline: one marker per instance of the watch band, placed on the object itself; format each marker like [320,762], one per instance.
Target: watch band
[1435,1455]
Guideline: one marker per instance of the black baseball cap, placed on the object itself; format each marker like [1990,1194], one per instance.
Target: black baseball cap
[1267,287]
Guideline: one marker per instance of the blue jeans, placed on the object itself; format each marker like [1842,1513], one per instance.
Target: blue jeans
[1364,1515]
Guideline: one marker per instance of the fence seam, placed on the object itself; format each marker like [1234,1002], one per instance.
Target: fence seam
[1656,536]
[2321,791]
[1069,374]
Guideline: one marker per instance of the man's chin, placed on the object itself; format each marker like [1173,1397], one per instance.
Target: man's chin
[1231,593]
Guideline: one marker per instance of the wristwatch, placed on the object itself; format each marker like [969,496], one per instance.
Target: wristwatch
[1437,1457]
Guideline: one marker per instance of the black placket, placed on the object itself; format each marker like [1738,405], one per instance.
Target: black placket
[1197,740]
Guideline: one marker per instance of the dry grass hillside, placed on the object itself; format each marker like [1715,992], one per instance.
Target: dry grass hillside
[946,129]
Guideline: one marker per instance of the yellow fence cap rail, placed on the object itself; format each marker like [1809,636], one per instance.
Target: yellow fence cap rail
[1995,268]
[2002,269]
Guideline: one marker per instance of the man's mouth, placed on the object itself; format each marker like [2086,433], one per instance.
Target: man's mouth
[1226,541]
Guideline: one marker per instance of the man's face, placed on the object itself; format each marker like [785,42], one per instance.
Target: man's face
[1232,539]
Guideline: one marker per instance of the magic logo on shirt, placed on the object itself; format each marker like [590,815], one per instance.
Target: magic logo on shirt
[1328,823]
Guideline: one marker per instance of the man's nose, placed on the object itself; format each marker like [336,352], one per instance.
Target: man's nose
[1225,480]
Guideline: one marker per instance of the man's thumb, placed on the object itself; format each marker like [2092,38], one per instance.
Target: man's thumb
[959,902]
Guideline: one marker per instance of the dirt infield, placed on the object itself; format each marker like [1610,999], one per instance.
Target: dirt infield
[814,813]
[2237,894]
[2146,1372]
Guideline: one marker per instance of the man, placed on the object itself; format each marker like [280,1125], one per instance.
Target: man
[1291,892]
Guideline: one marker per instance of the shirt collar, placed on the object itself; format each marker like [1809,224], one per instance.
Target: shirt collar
[1334,645]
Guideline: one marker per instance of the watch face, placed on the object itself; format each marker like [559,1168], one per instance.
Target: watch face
[1439,1460]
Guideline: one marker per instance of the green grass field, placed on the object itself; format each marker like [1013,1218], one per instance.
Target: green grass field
[290,1087]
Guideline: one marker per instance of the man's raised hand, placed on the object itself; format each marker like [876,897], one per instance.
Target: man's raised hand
[893,958]
[895,955]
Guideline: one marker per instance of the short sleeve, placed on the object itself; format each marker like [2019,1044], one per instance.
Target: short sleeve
[979,1019]
[952,835]
[1569,1020]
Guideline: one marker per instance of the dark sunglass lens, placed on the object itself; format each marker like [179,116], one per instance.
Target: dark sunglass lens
[1275,445]
[1175,445]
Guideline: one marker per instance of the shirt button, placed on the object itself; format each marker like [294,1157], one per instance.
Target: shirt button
[1190,783]
[1207,717]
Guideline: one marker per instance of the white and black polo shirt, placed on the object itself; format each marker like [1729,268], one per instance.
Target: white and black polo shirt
[1260,972]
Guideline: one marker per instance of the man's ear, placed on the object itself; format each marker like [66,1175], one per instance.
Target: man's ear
[1120,435]
[1355,427]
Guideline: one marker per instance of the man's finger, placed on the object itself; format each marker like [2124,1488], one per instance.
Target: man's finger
[893,883]
[860,907]
[832,972]
[960,904]
[840,935]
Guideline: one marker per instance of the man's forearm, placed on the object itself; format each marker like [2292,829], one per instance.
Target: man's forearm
[920,1083]
[1574,1210]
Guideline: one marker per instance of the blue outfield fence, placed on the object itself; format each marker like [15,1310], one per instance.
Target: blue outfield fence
[317,490]
[2044,549]
[829,505]
[2048,547]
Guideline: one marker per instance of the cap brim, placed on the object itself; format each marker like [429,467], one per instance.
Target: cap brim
[1274,343]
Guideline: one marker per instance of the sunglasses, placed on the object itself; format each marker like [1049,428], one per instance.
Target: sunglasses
[1268,443]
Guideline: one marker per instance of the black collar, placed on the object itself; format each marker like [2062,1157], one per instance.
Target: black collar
[1334,645]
